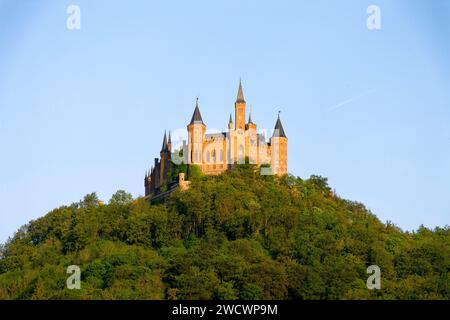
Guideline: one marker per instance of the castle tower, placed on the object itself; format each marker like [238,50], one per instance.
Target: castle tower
[156,182]
[150,182]
[251,141]
[165,157]
[196,135]
[230,142]
[165,146]
[238,149]
[278,145]
[239,107]
[147,181]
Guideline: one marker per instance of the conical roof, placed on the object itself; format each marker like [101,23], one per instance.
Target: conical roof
[279,131]
[240,95]
[196,117]
[164,145]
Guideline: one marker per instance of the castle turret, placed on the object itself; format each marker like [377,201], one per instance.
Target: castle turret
[164,165]
[156,175]
[148,182]
[251,141]
[278,145]
[196,135]
[164,147]
[250,124]
[145,182]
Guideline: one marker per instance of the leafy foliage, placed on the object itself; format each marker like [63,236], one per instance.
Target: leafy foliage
[238,235]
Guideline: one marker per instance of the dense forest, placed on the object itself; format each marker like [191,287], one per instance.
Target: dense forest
[238,235]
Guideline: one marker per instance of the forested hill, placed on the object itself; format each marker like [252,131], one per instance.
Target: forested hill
[237,235]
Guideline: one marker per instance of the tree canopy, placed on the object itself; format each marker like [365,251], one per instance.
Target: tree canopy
[238,235]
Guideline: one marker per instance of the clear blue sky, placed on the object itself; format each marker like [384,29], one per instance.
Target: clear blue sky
[85,110]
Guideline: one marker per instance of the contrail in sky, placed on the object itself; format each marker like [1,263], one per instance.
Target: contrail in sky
[343,103]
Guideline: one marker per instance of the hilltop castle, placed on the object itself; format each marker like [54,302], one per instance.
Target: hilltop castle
[214,153]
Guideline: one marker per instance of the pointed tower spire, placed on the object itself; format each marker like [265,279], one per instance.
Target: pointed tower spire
[279,131]
[164,145]
[250,115]
[196,117]
[169,142]
[230,123]
[240,95]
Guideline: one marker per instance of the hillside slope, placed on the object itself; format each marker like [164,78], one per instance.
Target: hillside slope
[237,235]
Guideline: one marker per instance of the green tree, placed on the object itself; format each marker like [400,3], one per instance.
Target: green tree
[121,198]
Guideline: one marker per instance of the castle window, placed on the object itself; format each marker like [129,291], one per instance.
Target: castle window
[221,155]
[208,159]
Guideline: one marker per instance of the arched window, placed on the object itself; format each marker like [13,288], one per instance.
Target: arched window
[221,155]
[208,157]
[213,154]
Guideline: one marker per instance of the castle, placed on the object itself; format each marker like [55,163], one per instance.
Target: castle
[216,152]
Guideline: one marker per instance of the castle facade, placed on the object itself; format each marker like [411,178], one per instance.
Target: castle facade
[214,153]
